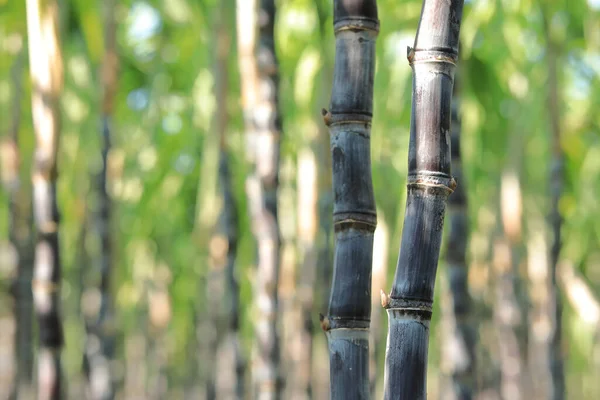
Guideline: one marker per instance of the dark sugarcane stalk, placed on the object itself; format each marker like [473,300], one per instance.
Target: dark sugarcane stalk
[260,86]
[510,320]
[482,290]
[461,342]
[233,385]
[409,305]
[556,391]
[226,381]
[212,322]
[21,238]
[510,311]
[45,61]
[263,185]
[100,336]
[511,306]
[356,27]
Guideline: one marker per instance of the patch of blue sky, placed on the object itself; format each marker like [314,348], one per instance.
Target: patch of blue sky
[144,21]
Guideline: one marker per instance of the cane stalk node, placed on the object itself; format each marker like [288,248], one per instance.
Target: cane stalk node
[356,24]
[53,350]
[326,116]
[347,224]
[48,227]
[420,310]
[432,55]
[410,54]
[352,117]
[433,180]
[324,322]
[40,286]
[453,184]
[385,299]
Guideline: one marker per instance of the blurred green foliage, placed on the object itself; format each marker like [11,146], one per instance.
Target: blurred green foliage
[164,155]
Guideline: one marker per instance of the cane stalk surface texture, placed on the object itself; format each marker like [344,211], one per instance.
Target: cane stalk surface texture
[356,28]
[46,69]
[409,305]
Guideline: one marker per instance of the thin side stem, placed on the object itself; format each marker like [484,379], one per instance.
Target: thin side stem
[45,61]
[356,27]
[409,306]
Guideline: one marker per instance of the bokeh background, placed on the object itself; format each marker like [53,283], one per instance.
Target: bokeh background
[164,187]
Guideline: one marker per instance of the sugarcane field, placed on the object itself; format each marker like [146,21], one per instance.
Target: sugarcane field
[299,200]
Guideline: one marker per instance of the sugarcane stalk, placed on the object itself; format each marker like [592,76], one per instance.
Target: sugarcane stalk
[225,381]
[99,325]
[409,305]
[510,307]
[356,27]
[460,344]
[556,391]
[45,61]
[21,238]
[510,320]
[260,85]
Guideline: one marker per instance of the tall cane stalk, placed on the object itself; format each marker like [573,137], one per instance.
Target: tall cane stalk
[409,305]
[347,324]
